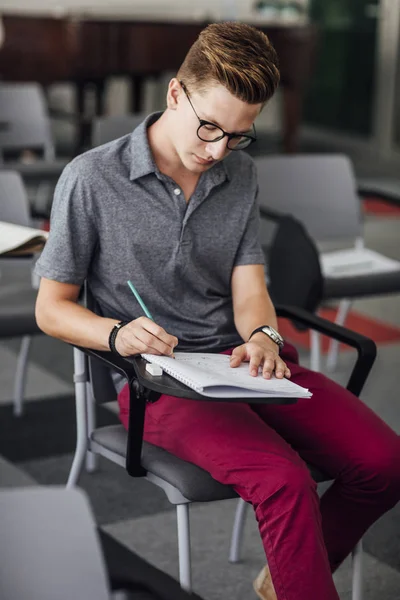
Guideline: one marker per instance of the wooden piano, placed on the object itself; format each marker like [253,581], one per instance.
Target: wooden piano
[89,50]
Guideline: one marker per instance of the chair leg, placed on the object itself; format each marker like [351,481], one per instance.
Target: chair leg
[343,310]
[237,531]
[315,353]
[92,460]
[185,567]
[357,558]
[20,375]
[80,381]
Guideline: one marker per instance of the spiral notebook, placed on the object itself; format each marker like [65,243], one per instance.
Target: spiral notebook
[211,375]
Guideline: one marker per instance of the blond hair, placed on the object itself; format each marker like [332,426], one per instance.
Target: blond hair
[235,55]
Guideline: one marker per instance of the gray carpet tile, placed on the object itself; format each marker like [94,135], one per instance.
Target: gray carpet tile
[41,382]
[47,429]
[114,495]
[48,353]
[383,539]
[214,578]
[12,476]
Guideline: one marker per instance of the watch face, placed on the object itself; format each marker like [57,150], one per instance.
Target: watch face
[275,334]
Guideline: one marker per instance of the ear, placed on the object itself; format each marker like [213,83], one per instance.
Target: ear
[173,94]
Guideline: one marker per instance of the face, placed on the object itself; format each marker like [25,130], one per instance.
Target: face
[215,105]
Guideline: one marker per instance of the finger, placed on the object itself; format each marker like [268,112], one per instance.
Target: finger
[288,373]
[280,368]
[155,341]
[237,356]
[158,332]
[255,362]
[268,367]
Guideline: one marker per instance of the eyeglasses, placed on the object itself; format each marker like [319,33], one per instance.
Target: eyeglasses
[209,132]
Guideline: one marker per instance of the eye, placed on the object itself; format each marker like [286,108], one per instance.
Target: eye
[210,127]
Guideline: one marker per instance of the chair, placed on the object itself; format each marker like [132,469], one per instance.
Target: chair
[51,549]
[182,482]
[17,302]
[25,125]
[111,127]
[320,191]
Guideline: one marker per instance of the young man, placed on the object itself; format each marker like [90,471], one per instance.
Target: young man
[173,207]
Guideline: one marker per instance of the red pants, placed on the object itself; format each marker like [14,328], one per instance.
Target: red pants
[260,451]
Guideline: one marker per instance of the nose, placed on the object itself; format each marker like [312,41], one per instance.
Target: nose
[217,149]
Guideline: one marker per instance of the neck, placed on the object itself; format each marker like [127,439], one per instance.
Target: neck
[164,152]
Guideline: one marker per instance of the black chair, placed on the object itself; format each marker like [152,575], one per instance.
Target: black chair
[184,482]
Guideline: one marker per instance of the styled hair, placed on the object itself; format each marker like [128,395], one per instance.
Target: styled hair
[235,55]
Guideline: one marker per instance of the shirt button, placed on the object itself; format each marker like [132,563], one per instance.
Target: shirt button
[177,191]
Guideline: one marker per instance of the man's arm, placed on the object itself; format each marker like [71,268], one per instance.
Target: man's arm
[58,314]
[252,307]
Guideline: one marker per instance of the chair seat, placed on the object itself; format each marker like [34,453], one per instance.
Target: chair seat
[193,482]
[383,187]
[362,285]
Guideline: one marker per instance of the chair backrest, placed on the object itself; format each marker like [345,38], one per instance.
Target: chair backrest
[106,129]
[293,266]
[24,119]
[14,204]
[318,190]
[49,546]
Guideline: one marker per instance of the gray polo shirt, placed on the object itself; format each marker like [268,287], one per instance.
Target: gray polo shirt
[116,217]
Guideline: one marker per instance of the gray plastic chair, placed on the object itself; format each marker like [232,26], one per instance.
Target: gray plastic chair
[182,482]
[108,128]
[25,125]
[49,547]
[51,550]
[320,191]
[17,301]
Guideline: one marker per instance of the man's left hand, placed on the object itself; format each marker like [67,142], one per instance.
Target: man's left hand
[260,353]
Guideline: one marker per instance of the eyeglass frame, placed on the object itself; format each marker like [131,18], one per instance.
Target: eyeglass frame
[230,136]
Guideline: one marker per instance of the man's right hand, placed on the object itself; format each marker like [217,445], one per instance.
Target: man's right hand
[144,336]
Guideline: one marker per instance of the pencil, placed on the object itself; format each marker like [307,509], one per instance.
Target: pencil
[138,298]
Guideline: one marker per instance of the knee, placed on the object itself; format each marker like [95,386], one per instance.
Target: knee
[289,481]
[380,471]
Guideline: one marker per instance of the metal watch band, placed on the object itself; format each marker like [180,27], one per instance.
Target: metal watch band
[113,335]
[270,332]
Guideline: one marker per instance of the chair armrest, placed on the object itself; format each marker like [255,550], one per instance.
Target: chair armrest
[366,190]
[138,395]
[366,348]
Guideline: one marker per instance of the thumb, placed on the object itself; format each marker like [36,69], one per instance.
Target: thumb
[237,356]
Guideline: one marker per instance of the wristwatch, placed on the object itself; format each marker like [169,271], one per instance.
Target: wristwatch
[271,333]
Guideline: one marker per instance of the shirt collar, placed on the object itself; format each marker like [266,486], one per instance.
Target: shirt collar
[142,160]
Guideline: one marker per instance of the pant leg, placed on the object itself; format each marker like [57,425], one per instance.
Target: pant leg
[338,433]
[233,444]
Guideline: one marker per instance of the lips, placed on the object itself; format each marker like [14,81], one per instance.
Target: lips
[203,161]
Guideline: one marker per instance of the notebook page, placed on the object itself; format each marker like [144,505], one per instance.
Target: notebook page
[209,373]
[12,236]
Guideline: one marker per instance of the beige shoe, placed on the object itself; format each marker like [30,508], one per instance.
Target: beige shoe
[263,586]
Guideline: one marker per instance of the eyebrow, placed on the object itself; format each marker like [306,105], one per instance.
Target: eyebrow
[212,122]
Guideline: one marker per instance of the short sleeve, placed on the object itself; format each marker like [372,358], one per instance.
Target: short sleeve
[250,251]
[68,252]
